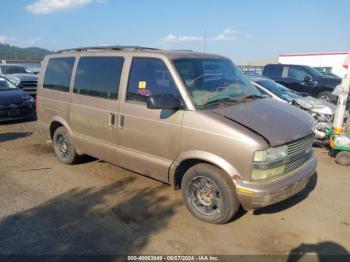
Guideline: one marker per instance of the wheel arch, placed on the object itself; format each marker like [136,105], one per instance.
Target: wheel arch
[55,123]
[321,89]
[191,158]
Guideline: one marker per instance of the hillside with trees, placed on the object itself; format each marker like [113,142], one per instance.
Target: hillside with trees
[8,52]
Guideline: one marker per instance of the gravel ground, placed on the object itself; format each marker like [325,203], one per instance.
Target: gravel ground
[97,208]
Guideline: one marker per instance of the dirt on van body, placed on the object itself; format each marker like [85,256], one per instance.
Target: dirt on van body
[97,208]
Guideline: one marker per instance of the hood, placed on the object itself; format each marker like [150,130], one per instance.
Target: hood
[316,105]
[330,82]
[15,96]
[23,77]
[277,122]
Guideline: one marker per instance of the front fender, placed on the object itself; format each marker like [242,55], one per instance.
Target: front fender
[203,156]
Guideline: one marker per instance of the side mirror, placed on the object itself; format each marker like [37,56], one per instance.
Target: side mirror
[164,101]
[307,78]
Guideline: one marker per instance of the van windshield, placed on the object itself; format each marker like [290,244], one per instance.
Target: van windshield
[214,80]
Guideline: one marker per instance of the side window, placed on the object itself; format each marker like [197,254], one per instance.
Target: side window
[149,76]
[274,71]
[98,76]
[58,73]
[296,73]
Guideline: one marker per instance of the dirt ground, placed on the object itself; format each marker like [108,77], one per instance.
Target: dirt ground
[97,208]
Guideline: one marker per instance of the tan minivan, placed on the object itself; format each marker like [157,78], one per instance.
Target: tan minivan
[189,119]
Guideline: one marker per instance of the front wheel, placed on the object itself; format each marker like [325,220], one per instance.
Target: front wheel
[209,194]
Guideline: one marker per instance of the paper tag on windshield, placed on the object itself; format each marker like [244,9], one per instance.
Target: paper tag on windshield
[142,84]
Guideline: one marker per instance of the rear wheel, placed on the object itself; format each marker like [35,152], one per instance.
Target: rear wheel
[209,194]
[63,146]
[326,96]
[343,158]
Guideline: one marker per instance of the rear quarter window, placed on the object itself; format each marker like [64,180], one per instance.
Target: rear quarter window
[58,73]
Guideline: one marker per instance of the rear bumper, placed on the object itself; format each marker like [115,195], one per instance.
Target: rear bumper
[258,195]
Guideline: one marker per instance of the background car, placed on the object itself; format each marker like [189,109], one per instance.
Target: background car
[304,79]
[322,111]
[20,76]
[15,104]
[330,74]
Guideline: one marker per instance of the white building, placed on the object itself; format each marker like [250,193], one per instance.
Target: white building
[331,62]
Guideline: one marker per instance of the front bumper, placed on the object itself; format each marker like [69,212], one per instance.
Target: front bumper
[20,113]
[254,195]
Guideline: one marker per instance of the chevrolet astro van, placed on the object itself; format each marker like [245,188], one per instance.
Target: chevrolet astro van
[188,119]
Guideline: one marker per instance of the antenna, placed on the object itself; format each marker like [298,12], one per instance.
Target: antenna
[205,41]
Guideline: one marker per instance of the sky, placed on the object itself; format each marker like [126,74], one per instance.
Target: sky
[241,30]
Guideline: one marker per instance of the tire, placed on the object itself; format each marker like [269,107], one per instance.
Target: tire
[209,194]
[63,146]
[343,158]
[326,96]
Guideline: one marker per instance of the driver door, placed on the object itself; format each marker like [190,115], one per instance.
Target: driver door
[149,139]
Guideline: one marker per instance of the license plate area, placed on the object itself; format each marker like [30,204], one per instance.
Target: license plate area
[14,112]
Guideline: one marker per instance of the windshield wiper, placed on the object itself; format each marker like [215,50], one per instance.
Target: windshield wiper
[218,101]
[230,99]
[251,97]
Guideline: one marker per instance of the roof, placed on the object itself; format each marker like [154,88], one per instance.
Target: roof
[171,54]
[316,54]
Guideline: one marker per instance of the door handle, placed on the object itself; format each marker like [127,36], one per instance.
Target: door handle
[111,119]
[121,121]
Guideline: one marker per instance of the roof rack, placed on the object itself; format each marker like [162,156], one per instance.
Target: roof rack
[106,48]
[181,50]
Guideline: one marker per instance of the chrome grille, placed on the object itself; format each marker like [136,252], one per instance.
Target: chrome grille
[294,165]
[300,146]
[28,85]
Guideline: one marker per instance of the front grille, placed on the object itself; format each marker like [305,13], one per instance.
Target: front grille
[294,165]
[28,85]
[298,152]
[300,146]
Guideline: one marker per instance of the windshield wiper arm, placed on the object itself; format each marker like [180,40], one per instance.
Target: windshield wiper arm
[252,97]
[220,100]
[230,99]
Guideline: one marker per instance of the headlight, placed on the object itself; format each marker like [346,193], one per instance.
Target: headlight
[272,154]
[269,163]
[260,174]
[28,100]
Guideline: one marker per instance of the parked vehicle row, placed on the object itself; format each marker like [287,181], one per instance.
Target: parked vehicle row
[189,119]
[15,104]
[322,111]
[20,76]
[304,79]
